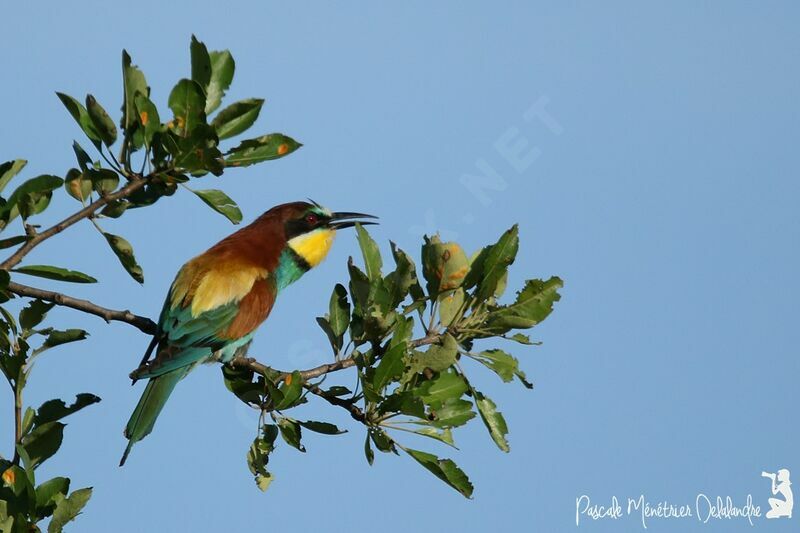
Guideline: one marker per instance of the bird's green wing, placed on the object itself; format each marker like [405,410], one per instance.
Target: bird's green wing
[186,339]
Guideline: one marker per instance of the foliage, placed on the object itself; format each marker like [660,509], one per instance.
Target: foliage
[154,158]
[417,386]
[39,432]
[423,385]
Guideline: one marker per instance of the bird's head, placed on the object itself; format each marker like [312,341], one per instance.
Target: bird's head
[311,228]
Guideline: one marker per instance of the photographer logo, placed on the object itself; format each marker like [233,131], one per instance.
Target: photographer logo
[780,485]
[702,508]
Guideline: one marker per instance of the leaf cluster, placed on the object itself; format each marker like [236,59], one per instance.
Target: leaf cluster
[422,386]
[39,432]
[155,157]
[142,157]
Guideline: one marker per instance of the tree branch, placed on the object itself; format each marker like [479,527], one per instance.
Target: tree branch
[354,410]
[146,325]
[250,363]
[140,322]
[87,211]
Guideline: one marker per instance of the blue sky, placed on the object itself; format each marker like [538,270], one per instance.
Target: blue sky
[659,180]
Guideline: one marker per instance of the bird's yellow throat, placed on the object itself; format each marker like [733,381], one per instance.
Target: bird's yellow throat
[313,246]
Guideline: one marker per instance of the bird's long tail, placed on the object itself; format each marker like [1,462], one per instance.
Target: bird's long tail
[153,398]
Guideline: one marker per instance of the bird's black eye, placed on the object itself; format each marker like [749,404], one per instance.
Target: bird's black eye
[312,219]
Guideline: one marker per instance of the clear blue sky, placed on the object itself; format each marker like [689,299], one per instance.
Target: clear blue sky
[663,189]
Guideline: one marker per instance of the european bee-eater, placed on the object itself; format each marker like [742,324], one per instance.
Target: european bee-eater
[219,298]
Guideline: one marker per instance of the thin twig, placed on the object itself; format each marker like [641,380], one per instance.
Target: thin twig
[90,209]
[351,407]
[17,419]
[250,363]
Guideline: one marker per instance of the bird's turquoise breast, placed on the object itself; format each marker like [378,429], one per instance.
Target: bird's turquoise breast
[290,268]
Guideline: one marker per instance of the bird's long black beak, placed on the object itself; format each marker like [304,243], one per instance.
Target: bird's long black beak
[343,220]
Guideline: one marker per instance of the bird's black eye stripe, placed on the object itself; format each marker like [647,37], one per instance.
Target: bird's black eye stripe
[308,222]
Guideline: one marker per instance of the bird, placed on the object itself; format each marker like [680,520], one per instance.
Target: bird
[219,298]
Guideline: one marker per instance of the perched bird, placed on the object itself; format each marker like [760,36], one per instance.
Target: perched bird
[219,298]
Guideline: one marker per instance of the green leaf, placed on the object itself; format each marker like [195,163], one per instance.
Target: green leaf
[522,339]
[30,198]
[493,419]
[9,169]
[336,343]
[444,264]
[81,116]
[337,390]
[263,148]
[453,412]
[359,287]
[201,62]
[84,161]
[115,209]
[67,509]
[46,494]
[19,485]
[197,153]
[494,264]
[258,455]
[403,329]
[53,410]
[291,389]
[102,121]
[78,185]
[402,402]
[533,304]
[322,427]
[450,306]
[133,82]
[446,385]
[124,252]
[501,285]
[11,365]
[368,453]
[263,481]
[43,442]
[237,117]
[104,180]
[187,102]
[382,440]
[56,273]
[221,203]
[503,364]
[403,279]
[339,312]
[438,358]
[442,435]
[4,294]
[370,252]
[291,432]
[28,465]
[222,68]
[27,420]
[57,337]
[8,318]
[240,382]
[391,366]
[34,313]
[444,469]
[147,117]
